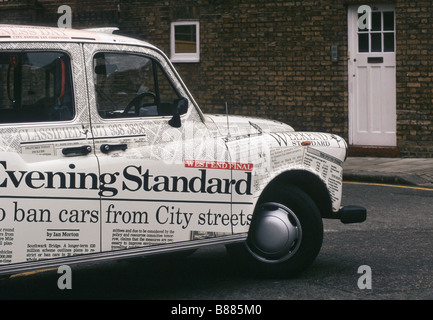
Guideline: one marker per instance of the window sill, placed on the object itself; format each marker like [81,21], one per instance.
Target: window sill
[183,60]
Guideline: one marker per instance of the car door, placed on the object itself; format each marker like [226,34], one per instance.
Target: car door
[155,153]
[48,172]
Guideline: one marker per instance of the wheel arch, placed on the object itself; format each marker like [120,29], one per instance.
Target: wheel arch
[308,182]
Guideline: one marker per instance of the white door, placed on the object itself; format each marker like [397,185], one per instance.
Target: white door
[372,85]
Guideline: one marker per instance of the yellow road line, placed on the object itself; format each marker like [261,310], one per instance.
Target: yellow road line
[23,274]
[388,185]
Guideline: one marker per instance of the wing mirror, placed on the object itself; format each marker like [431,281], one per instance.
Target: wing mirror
[180,106]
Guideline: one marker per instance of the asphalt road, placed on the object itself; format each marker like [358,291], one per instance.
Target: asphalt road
[393,246]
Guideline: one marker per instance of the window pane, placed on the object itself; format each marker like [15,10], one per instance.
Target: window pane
[363,22]
[388,42]
[363,42]
[167,95]
[185,38]
[35,87]
[131,85]
[376,21]
[376,42]
[388,21]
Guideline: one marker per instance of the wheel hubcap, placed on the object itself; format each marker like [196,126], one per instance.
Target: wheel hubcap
[275,233]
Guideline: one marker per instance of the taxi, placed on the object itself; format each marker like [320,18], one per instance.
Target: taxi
[105,154]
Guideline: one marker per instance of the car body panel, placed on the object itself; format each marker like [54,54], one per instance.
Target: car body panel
[161,188]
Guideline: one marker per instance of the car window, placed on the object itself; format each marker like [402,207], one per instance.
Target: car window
[131,85]
[35,87]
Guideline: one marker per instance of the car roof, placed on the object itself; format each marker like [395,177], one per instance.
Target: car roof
[25,33]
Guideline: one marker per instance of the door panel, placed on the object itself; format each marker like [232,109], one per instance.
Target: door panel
[49,203]
[151,193]
[372,86]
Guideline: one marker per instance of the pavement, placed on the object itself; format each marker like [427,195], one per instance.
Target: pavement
[406,171]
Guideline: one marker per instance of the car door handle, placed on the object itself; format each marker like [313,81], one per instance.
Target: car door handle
[77,151]
[106,148]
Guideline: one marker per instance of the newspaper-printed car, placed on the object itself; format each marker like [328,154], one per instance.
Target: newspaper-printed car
[105,154]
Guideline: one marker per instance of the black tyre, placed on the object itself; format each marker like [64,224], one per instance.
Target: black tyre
[285,235]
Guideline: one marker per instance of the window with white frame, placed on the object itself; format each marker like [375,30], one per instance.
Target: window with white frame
[185,41]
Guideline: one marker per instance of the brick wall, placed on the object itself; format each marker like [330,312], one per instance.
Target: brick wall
[44,12]
[272,59]
[13,11]
[269,59]
[414,77]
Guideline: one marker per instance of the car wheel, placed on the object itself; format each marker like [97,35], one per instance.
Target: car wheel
[285,234]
